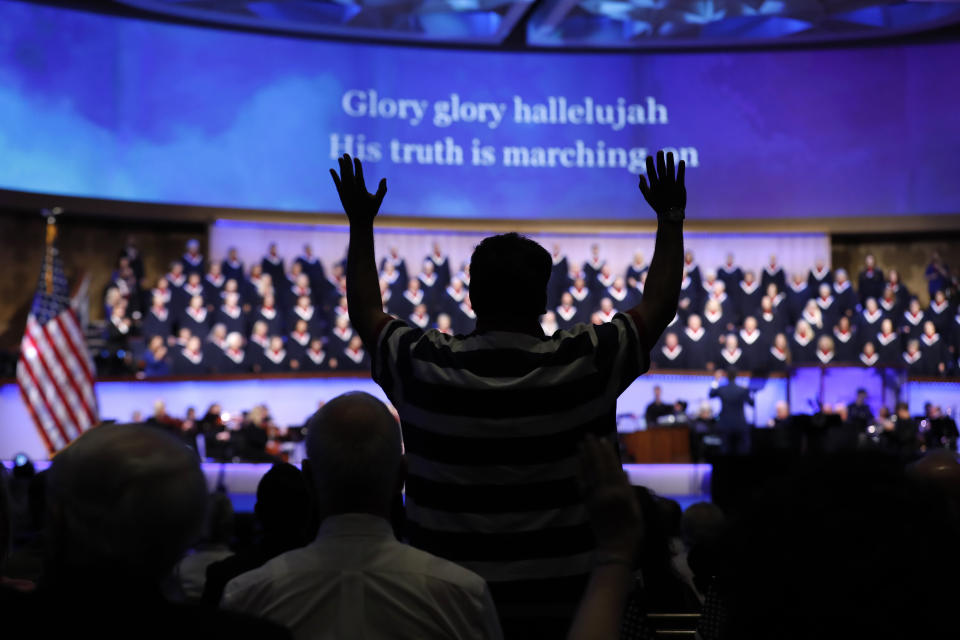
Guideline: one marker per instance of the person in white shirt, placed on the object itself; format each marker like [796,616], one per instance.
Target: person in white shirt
[356,580]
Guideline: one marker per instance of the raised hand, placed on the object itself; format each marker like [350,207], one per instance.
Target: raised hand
[360,205]
[665,193]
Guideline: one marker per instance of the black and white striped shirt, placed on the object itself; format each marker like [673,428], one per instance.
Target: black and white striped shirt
[491,424]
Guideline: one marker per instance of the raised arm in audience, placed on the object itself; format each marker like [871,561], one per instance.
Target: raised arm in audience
[363,286]
[618,527]
[667,196]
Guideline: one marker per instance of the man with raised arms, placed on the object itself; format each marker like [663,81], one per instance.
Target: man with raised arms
[491,420]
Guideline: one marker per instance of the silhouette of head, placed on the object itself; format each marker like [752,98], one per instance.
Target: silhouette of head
[283,502]
[353,443]
[509,275]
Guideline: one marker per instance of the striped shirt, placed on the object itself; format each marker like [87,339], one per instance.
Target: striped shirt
[491,426]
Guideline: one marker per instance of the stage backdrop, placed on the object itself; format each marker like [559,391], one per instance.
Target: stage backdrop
[116,108]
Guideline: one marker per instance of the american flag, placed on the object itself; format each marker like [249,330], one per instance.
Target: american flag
[54,371]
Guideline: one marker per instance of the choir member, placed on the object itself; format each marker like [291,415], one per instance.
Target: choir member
[157,359]
[635,269]
[870,284]
[161,290]
[913,358]
[707,284]
[316,358]
[464,274]
[182,338]
[581,295]
[830,307]
[933,348]
[731,356]
[231,314]
[190,360]
[900,291]
[391,276]
[452,296]
[607,311]
[119,326]
[604,280]
[355,357]
[700,349]
[194,287]
[430,285]
[232,266]
[714,322]
[773,273]
[868,355]
[272,263]
[213,284]
[753,344]
[888,343]
[548,323]
[214,345]
[133,257]
[770,319]
[445,324]
[259,341]
[340,336]
[276,359]
[270,315]
[939,311]
[235,358]
[441,265]
[232,286]
[775,295]
[825,351]
[299,340]
[569,314]
[671,355]
[298,288]
[802,345]
[798,291]
[845,341]
[559,280]
[157,321]
[870,318]
[779,359]
[845,296]
[819,274]
[335,286]
[689,300]
[464,318]
[642,282]
[729,273]
[813,317]
[420,317]
[593,265]
[727,305]
[911,323]
[398,264]
[175,277]
[385,295]
[411,297]
[304,310]
[622,296]
[192,260]
[310,264]
[256,285]
[195,318]
[748,295]
[691,267]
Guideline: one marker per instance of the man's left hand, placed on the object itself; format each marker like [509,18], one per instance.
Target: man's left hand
[360,205]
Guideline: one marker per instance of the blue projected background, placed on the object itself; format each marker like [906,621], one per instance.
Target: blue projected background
[104,107]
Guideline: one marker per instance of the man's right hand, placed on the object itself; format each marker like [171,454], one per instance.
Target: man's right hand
[665,193]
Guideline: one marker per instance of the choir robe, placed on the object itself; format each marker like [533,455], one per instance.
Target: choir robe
[232,270]
[869,361]
[450,300]
[727,306]
[567,318]
[666,358]
[773,276]
[846,298]
[796,298]
[559,280]
[313,268]
[803,350]
[315,361]
[934,350]
[868,324]
[338,340]
[290,294]
[275,361]
[825,357]
[770,324]
[893,307]
[917,364]
[441,267]
[190,364]
[715,327]
[831,309]
[940,314]
[591,268]
[256,348]
[623,299]
[235,361]
[212,287]
[777,361]
[847,345]
[234,319]
[600,285]
[394,284]
[419,321]
[901,294]
[812,321]
[689,292]
[274,266]
[403,304]
[698,349]
[912,325]
[193,264]
[730,276]
[212,352]
[888,348]
[727,359]
[156,323]
[181,297]
[197,321]
[747,299]
[754,346]
[636,272]
[816,278]
[297,344]
[250,292]
[271,317]
[400,268]
[354,360]
[431,288]
[870,284]
[316,323]
[583,298]
[464,320]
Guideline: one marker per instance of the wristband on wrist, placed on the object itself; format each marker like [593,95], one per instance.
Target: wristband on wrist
[673,214]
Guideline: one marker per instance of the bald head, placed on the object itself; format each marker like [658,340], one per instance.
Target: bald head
[355,450]
[125,499]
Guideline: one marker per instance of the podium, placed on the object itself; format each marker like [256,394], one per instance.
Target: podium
[659,445]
